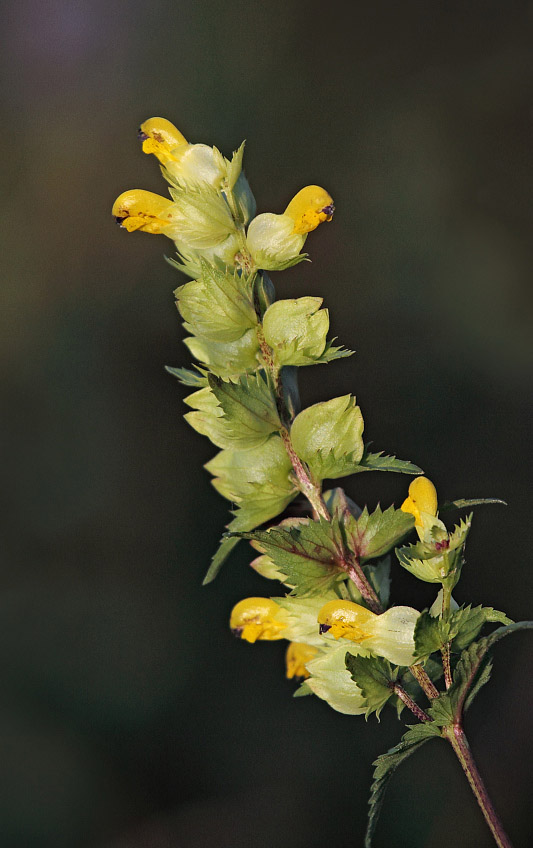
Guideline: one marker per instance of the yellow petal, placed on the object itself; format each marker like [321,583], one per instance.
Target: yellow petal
[142,210]
[422,498]
[298,654]
[161,138]
[257,618]
[309,208]
[346,619]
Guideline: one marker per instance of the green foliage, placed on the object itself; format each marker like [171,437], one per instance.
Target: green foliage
[375,678]
[437,561]
[308,554]
[378,574]
[187,377]
[386,765]
[461,628]
[205,220]
[374,534]
[462,503]
[379,462]
[328,437]
[217,307]
[296,330]
[249,409]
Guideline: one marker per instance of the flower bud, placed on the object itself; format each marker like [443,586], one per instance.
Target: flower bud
[298,654]
[257,618]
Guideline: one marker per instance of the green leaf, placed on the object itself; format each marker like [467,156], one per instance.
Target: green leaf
[226,359]
[296,330]
[218,306]
[205,220]
[264,292]
[223,551]
[330,353]
[471,672]
[378,574]
[441,710]
[373,534]
[375,678]
[379,462]
[249,407]
[467,622]
[461,503]
[234,167]
[328,437]
[386,765]
[431,634]
[437,560]
[198,378]
[308,554]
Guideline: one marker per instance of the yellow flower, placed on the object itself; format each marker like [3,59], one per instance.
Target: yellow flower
[298,654]
[258,618]
[143,210]
[309,208]
[422,499]
[390,635]
[187,163]
[275,241]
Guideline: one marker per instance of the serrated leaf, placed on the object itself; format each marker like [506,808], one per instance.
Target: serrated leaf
[431,634]
[374,534]
[218,306]
[331,352]
[467,622]
[223,551]
[386,765]
[249,407]
[374,677]
[461,503]
[378,574]
[226,359]
[470,672]
[197,379]
[441,710]
[380,462]
[234,167]
[308,555]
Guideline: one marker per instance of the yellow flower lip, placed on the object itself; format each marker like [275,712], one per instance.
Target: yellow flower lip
[298,654]
[137,209]
[161,138]
[422,499]
[257,618]
[310,207]
[346,619]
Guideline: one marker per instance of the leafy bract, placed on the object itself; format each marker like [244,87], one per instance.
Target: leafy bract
[375,678]
[386,765]
[202,217]
[374,534]
[308,554]
[188,377]
[462,503]
[296,330]
[218,306]
[226,359]
[436,561]
[328,437]
[248,408]
[380,462]
[331,681]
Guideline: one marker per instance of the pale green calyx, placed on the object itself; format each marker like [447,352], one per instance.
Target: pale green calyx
[296,330]
[328,437]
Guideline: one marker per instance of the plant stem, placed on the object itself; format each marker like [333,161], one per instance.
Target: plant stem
[426,684]
[456,736]
[409,703]
[446,665]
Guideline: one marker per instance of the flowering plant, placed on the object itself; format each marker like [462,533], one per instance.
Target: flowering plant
[346,643]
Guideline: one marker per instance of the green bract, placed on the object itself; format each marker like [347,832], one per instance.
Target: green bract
[218,307]
[296,330]
[229,359]
[328,437]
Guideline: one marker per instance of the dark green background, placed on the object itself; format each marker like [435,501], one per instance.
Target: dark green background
[129,717]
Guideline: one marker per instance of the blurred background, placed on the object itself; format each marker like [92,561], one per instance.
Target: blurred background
[129,717]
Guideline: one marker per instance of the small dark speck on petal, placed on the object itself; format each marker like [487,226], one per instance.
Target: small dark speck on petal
[323,628]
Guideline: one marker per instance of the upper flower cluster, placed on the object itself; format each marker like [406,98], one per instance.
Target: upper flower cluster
[211,213]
